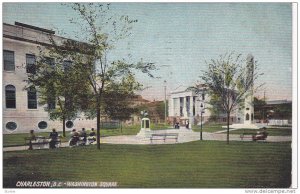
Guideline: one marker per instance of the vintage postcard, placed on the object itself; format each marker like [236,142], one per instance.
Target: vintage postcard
[149,95]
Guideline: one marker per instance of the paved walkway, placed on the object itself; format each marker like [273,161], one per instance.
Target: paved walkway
[184,135]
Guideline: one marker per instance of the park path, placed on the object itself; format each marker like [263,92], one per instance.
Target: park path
[185,135]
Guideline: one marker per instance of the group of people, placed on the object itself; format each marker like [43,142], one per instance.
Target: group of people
[82,136]
[54,137]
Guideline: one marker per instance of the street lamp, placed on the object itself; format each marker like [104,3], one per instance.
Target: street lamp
[165,87]
[201,112]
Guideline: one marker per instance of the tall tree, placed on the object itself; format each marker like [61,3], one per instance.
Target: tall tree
[118,97]
[102,31]
[230,78]
[259,108]
[55,77]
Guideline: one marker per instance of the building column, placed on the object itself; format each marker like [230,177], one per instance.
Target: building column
[184,107]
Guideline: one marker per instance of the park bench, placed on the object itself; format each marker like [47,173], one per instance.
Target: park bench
[40,142]
[254,136]
[164,136]
[260,136]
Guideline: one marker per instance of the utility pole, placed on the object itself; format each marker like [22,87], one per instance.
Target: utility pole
[264,106]
[165,87]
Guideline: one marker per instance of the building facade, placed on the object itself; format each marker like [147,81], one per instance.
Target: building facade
[186,106]
[21,110]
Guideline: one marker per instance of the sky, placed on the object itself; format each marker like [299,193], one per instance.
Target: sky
[179,37]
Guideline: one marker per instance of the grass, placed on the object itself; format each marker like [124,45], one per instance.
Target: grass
[205,164]
[209,127]
[271,131]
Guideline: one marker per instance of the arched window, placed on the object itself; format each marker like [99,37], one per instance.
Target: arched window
[31,98]
[247,117]
[10,96]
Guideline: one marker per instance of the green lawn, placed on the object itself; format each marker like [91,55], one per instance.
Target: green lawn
[206,164]
[271,131]
[209,127]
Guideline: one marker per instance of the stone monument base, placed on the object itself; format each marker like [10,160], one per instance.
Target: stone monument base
[144,133]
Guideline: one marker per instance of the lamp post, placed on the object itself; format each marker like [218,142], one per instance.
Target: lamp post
[165,87]
[201,111]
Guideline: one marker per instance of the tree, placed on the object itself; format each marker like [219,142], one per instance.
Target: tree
[230,79]
[102,31]
[56,78]
[117,99]
[259,108]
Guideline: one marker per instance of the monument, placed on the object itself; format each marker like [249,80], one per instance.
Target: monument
[248,112]
[145,128]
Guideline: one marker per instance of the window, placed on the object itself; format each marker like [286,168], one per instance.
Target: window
[69,124]
[30,64]
[11,126]
[9,60]
[42,125]
[203,96]
[32,99]
[10,96]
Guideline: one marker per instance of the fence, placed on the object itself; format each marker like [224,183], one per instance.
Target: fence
[110,125]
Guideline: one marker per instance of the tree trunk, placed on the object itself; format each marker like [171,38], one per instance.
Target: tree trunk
[64,127]
[121,127]
[228,119]
[98,125]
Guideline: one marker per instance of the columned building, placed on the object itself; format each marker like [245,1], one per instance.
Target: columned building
[186,105]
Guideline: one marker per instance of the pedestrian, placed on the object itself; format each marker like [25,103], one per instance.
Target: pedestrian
[53,139]
[31,138]
[187,124]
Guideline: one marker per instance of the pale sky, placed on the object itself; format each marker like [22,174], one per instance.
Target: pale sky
[179,37]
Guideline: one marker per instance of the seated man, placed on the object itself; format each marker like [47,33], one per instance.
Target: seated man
[92,133]
[83,134]
[261,135]
[92,136]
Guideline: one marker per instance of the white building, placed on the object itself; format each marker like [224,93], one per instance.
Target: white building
[21,111]
[185,105]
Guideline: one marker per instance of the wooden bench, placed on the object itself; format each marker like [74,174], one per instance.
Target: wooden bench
[164,136]
[254,136]
[40,142]
[260,136]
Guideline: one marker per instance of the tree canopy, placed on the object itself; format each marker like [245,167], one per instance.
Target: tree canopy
[230,79]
